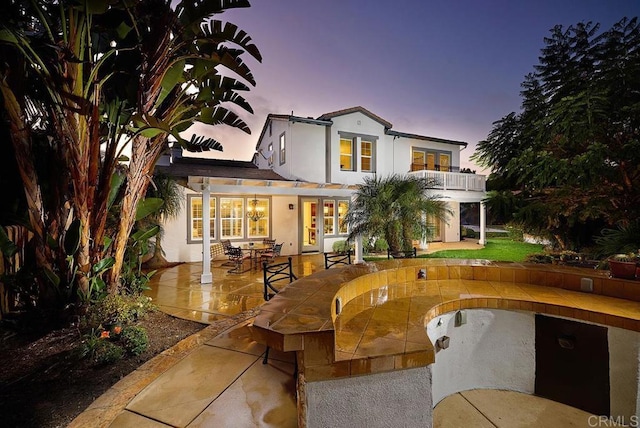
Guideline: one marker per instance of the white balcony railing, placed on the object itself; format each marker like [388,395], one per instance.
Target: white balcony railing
[453,180]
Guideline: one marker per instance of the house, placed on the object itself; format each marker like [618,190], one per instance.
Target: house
[299,183]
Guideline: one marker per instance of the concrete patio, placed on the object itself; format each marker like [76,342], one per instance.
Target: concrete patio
[216,377]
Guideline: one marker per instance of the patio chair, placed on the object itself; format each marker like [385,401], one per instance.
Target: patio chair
[272,274]
[267,243]
[331,259]
[237,257]
[226,244]
[271,242]
[271,255]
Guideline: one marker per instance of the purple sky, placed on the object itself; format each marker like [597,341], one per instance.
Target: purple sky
[444,69]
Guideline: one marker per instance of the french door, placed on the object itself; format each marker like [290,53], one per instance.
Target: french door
[311,222]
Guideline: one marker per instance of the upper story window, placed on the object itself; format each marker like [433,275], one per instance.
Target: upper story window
[346,154]
[366,156]
[357,152]
[270,150]
[196,216]
[423,159]
[283,152]
[445,162]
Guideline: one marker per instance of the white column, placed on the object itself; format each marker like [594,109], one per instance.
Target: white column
[206,277]
[359,251]
[483,224]
[358,243]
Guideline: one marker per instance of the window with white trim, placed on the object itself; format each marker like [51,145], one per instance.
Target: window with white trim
[270,151]
[196,218]
[282,148]
[366,156]
[260,227]
[231,218]
[329,217]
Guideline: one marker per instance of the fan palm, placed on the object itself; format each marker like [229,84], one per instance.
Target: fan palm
[398,208]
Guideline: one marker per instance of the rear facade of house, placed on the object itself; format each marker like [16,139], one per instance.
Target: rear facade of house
[301,180]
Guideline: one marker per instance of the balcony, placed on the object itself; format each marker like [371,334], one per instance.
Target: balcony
[453,180]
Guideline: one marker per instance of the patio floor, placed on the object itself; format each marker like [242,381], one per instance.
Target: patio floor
[216,377]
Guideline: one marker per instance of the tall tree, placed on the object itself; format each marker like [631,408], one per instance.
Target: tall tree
[398,208]
[86,82]
[571,158]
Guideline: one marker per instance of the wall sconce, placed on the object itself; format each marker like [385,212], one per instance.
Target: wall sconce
[422,274]
[290,206]
[460,318]
[442,343]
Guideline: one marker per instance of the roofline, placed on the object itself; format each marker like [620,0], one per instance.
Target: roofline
[290,118]
[424,137]
[360,109]
[325,120]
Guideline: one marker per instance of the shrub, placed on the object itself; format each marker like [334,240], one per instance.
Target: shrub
[622,239]
[380,245]
[341,246]
[469,233]
[107,353]
[118,309]
[100,350]
[134,339]
[515,232]
[539,258]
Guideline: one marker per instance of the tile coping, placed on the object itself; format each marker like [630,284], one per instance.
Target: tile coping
[303,316]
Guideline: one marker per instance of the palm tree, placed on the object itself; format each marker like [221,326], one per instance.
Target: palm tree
[398,208]
[90,76]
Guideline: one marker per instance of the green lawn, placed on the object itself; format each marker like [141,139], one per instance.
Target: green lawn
[497,249]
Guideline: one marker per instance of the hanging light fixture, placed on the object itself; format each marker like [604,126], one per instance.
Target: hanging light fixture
[254,212]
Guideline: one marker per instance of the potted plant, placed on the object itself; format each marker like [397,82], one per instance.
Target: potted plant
[624,265]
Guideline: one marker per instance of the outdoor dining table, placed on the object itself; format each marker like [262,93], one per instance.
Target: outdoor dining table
[255,249]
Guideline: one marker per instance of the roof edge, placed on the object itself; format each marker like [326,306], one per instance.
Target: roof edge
[424,137]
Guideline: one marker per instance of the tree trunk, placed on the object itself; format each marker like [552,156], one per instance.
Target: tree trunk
[143,157]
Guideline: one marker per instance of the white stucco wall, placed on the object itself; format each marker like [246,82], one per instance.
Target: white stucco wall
[451,231]
[357,123]
[495,349]
[393,399]
[174,241]
[284,223]
[307,152]
[624,357]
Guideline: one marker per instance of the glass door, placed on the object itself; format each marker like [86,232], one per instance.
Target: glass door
[311,224]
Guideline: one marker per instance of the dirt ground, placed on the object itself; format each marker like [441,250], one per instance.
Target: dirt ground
[43,384]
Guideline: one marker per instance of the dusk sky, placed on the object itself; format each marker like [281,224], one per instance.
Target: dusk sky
[445,69]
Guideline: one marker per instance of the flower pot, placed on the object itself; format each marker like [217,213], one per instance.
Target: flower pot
[624,270]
